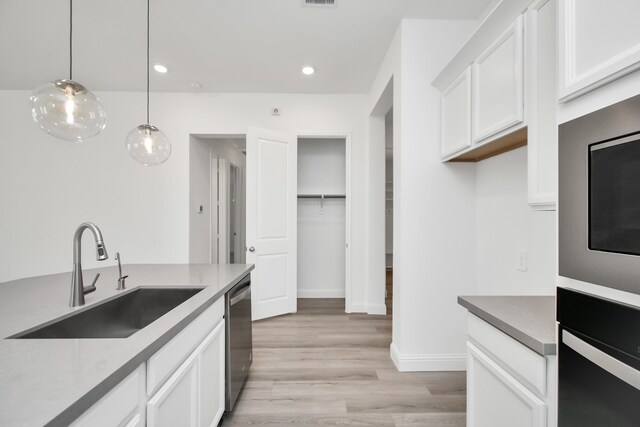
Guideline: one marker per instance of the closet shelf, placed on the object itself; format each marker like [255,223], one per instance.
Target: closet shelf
[322,196]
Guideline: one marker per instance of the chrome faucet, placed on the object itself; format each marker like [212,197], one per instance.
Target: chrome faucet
[78,290]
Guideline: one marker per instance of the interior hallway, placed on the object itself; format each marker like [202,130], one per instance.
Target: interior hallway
[322,367]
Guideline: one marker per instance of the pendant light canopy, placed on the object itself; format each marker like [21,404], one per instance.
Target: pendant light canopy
[66,109]
[146,143]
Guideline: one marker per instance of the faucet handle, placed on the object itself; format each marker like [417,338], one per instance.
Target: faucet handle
[121,284]
[92,288]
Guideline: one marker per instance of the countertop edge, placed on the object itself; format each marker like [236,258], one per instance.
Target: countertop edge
[542,348]
[93,395]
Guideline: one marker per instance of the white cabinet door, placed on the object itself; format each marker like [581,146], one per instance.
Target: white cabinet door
[599,42]
[542,146]
[456,115]
[176,403]
[496,399]
[498,85]
[122,406]
[211,354]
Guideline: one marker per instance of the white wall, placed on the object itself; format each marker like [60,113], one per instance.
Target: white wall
[199,195]
[434,203]
[506,225]
[321,231]
[48,187]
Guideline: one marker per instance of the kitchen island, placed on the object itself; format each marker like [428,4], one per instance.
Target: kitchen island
[54,381]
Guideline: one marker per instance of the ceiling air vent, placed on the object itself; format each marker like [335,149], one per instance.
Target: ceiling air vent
[319,2]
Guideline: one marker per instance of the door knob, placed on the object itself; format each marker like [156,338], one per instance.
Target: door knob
[252,249]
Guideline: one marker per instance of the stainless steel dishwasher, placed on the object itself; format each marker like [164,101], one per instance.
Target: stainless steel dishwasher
[239,340]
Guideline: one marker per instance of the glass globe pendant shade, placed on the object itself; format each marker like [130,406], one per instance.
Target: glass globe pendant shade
[148,145]
[67,110]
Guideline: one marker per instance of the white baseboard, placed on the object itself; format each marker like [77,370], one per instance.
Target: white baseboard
[428,362]
[377,309]
[358,307]
[320,293]
[363,307]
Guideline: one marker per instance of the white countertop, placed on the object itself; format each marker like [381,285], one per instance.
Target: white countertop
[52,381]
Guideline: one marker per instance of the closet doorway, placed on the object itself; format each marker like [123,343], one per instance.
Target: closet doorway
[323,218]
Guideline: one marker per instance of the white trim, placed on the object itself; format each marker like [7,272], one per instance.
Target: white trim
[598,290]
[321,293]
[377,309]
[357,307]
[427,362]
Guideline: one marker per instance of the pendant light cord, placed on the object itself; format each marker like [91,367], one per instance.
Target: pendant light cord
[148,60]
[70,39]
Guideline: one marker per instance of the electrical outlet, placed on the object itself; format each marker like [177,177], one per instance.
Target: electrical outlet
[522,261]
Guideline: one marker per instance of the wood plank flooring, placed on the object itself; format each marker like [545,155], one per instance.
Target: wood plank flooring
[322,367]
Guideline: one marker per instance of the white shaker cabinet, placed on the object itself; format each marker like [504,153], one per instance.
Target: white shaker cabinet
[456,115]
[508,384]
[541,66]
[599,42]
[211,363]
[122,406]
[497,399]
[176,403]
[498,84]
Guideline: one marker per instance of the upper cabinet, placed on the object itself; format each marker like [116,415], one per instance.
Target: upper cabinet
[456,115]
[500,92]
[599,42]
[498,85]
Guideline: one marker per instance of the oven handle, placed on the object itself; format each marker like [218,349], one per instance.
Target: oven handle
[240,296]
[610,364]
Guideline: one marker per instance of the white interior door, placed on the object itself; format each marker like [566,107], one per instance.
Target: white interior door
[272,221]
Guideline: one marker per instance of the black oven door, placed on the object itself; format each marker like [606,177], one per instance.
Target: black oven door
[599,386]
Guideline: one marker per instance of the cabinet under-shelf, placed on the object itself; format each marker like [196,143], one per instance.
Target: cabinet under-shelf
[498,146]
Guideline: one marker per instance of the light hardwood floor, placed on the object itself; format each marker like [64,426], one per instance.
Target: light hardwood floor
[322,367]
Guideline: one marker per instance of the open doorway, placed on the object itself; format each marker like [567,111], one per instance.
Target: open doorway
[217,199]
[322,219]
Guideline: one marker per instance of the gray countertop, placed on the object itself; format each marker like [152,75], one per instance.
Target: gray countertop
[52,381]
[528,319]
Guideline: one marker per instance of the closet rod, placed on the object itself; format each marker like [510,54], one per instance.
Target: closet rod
[321,196]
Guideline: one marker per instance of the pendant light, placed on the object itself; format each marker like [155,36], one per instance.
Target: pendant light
[146,143]
[66,109]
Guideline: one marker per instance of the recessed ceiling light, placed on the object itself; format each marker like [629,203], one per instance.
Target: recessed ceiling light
[160,68]
[308,70]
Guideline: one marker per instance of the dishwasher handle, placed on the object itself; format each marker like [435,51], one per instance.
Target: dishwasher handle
[239,296]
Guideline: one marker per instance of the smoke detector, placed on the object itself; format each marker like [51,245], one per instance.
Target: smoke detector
[319,2]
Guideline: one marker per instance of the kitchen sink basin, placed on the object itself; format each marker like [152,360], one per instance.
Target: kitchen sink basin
[117,318]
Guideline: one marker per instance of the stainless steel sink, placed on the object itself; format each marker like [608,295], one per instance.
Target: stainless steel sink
[116,318]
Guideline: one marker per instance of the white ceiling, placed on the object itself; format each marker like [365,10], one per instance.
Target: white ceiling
[225,45]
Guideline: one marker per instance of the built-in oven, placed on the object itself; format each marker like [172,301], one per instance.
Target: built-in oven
[598,362]
[239,340]
[599,197]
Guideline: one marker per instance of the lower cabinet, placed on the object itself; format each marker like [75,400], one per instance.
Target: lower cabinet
[122,406]
[183,384]
[211,363]
[496,399]
[508,384]
[193,396]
